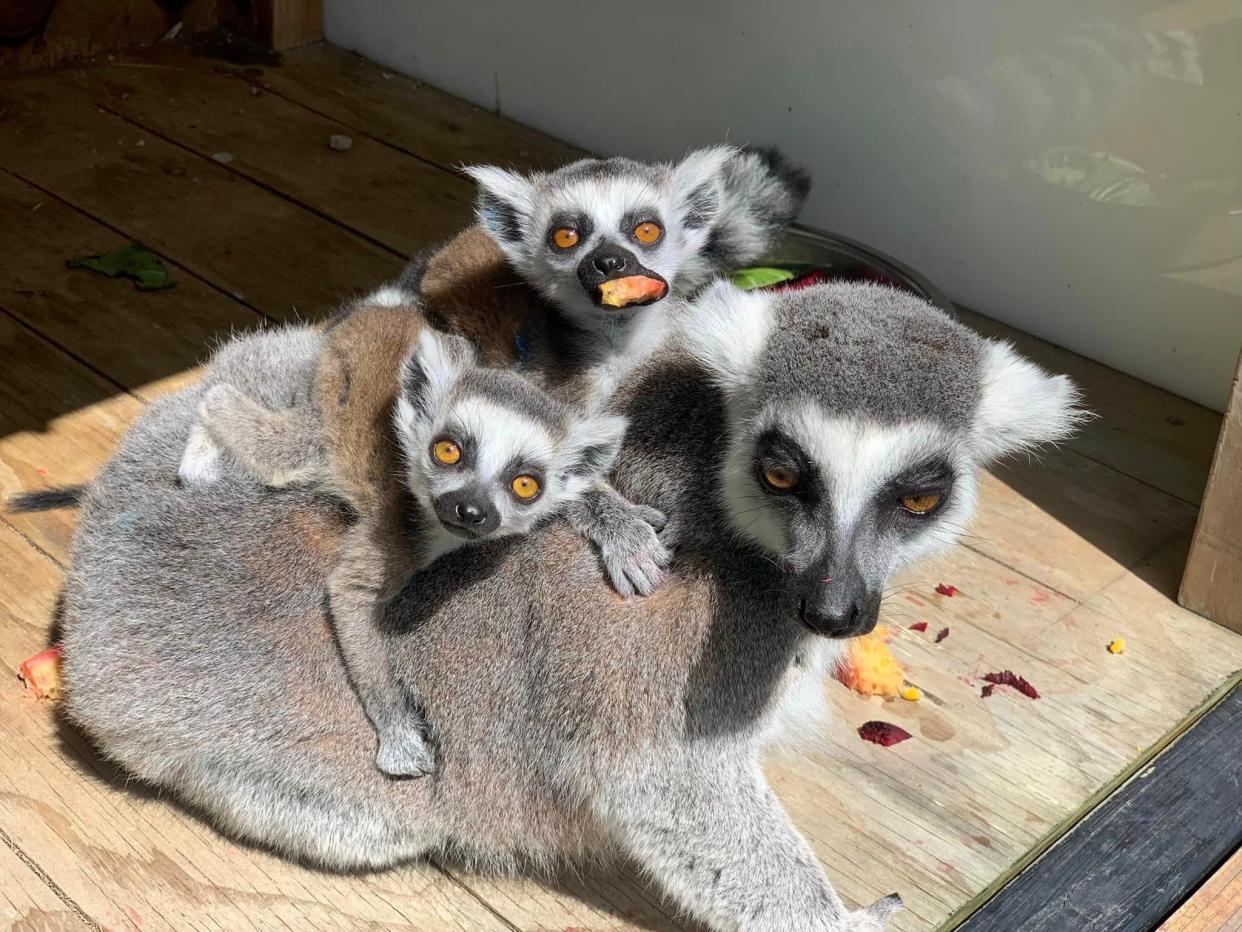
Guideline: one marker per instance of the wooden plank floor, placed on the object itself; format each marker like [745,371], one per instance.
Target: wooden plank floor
[1214,907]
[1068,552]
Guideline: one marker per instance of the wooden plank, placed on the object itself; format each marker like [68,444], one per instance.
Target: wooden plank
[408,114]
[27,903]
[400,202]
[1138,854]
[136,338]
[276,24]
[1216,906]
[43,445]
[1141,430]
[1212,585]
[130,860]
[273,254]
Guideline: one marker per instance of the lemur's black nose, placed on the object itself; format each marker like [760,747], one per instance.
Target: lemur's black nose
[609,263]
[470,513]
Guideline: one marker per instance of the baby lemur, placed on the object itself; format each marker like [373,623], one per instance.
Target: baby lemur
[430,450]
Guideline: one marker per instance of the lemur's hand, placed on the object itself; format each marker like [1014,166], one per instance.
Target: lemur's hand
[634,556]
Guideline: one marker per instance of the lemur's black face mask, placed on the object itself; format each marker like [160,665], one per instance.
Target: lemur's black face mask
[613,277]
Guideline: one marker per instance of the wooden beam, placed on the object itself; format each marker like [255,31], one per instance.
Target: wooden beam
[1212,585]
[1133,860]
[278,24]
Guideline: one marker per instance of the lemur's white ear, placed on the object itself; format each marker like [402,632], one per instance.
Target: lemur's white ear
[1022,406]
[435,362]
[505,203]
[698,184]
[592,446]
[726,330]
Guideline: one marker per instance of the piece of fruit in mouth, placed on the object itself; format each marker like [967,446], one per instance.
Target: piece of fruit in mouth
[622,292]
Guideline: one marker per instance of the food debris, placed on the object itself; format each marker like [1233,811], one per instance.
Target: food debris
[41,673]
[944,589]
[884,734]
[338,143]
[869,667]
[943,633]
[912,694]
[134,262]
[1117,646]
[633,289]
[222,157]
[987,690]
[1009,678]
[919,626]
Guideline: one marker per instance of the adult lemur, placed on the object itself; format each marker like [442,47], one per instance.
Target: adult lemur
[816,441]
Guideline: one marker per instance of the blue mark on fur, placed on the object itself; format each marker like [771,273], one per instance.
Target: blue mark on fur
[522,343]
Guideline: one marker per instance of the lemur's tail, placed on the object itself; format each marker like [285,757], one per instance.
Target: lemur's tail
[763,192]
[67,496]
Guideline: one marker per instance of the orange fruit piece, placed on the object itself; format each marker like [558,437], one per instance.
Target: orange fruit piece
[41,673]
[869,667]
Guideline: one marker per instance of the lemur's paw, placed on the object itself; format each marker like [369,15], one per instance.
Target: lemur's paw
[405,752]
[200,463]
[635,558]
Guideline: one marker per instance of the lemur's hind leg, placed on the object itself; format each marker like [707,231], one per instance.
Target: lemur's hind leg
[372,568]
[279,448]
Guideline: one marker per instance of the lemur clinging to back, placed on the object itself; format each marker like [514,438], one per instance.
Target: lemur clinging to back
[430,450]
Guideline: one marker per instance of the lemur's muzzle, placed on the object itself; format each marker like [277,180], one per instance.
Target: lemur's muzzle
[836,603]
[614,277]
[467,513]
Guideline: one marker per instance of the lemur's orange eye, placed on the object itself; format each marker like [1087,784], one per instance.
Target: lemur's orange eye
[565,238]
[780,478]
[525,487]
[446,452]
[647,233]
[921,504]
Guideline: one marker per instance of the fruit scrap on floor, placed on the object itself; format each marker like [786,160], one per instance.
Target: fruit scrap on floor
[1117,646]
[135,262]
[1009,678]
[41,673]
[919,626]
[944,633]
[884,734]
[911,694]
[869,667]
[945,589]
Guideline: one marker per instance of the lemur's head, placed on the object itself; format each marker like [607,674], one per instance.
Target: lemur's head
[485,449]
[859,418]
[601,238]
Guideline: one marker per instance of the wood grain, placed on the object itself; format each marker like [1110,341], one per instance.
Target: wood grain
[1216,906]
[1132,859]
[1212,585]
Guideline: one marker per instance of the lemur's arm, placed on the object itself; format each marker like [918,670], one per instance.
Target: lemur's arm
[710,830]
[627,535]
[278,448]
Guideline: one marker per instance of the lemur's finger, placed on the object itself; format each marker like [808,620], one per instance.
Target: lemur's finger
[653,516]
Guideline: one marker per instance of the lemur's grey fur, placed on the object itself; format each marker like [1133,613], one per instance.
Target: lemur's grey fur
[569,721]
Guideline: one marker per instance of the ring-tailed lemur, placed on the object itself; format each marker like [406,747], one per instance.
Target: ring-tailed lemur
[430,450]
[851,419]
[567,236]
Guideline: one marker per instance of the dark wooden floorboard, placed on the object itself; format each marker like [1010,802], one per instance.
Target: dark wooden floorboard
[1134,859]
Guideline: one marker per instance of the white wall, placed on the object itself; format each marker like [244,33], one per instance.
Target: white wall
[921,122]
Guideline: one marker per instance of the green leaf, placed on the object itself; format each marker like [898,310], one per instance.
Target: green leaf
[134,262]
[759,277]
